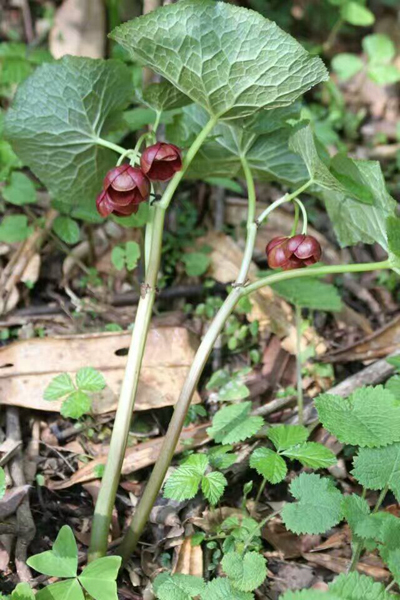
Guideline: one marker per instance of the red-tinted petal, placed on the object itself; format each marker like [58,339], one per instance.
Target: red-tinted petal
[294,242]
[126,211]
[308,247]
[293,263]
[122,198]
[148,156]
[104,204]
[278,257]
[168,152]
[141,181]
[114,173]
[274,242]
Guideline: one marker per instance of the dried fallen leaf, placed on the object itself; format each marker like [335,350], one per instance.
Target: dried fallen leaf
[26,368]
[190,559]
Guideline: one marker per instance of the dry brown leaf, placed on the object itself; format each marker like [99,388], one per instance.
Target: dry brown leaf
[287,543]
[79,29]
[26,368]
[337,564]
[190,559]
[382,342]
[136,457]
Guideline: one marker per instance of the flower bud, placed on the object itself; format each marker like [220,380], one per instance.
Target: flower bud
[293,252]
[161,161]
[124,188]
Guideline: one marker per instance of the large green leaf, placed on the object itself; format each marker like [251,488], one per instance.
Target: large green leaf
[230,60]
[56,117]
[356,221]
[265,147]
[62,560]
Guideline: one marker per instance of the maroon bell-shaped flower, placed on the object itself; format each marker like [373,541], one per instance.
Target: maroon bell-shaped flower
[161,161]
[293,252]
[124,188]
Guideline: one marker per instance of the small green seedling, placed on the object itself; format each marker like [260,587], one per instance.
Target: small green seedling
[126,255]
[76,401]
[97,579]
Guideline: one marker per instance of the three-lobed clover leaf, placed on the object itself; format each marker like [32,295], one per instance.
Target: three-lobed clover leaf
[61,560]
[318,506]
[57,116]
[233,424]
[370,417]
[194,45]
[76,402]
[377,468]
[99,577]
[185,481]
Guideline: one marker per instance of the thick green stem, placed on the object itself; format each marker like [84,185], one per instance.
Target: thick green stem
[110,480]
[111,146]
[299,364]
[153,487]
[154,231]
[191,153]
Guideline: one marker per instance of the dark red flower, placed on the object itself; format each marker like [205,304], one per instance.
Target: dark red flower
[293,252]
[161,161]
[124,188]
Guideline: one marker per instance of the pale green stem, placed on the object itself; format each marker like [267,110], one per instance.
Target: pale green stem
[285,198]
[260,490]
[300,402]
[191,153]
[110,146]
[303,215]
[296,219]
[119,438]
[153,487]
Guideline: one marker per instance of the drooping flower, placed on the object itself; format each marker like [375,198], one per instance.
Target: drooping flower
[293,252]
[124,188]
[161,161]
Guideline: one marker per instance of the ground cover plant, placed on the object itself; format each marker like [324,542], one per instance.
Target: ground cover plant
[227,105]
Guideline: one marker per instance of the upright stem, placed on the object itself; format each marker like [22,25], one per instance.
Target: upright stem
[110,480]
[300,403]
[119,438]
[145,505]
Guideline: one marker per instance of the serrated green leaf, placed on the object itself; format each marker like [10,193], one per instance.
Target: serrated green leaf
[393,385]
[59,386]
[312,454]
[268,154]
[89,379]
[222,589]
[318,506]
[56,117]
[376,468]
[356,511]
[356,14]
[379,48]
[2,482]
[61,560]
[67,229]
[185,481]
[354,586]
[310,293]
[164,96]
[23,591]
[99,578]
[285,436]
[213,485]
[268,464]
[346,65]
[233,390]
[233,424]
[63,590]
[76,405]
[193,44]
[14,228]
[354,221]
[20,190]
[246,572]
[178,586]
[370,417]
[302,143]
[196,263]
[221,458]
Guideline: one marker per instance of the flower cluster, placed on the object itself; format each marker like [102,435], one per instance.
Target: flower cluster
[125,187]
[293,252]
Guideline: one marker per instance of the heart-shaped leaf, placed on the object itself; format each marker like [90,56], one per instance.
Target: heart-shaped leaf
[56,117]
[63,590]
[230,60]
[99,577]
[62,560]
